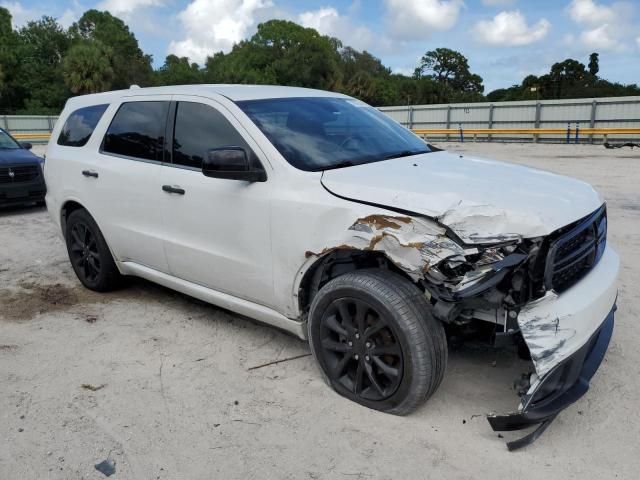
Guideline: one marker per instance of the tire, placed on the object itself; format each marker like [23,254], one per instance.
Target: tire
[89,254]
[396,347]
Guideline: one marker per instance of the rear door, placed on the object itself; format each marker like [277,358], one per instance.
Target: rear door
[127,188]
[218,231]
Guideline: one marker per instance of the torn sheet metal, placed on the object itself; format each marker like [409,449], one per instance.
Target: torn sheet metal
[411,243]
[554,327]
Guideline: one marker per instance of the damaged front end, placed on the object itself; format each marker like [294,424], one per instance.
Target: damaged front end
[554,296]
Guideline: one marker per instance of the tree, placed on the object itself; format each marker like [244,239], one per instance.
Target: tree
[130,64]
[280,52]
[38,80]
[87,67]
[178,71]
[594,64]
[450,68]
[7,54]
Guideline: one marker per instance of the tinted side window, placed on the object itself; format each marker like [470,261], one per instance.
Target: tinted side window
[137,130]
[200,128]
[79,126]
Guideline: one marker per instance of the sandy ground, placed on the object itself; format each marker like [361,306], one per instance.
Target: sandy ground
[169,392]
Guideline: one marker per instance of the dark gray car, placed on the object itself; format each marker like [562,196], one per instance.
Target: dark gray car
[21,179]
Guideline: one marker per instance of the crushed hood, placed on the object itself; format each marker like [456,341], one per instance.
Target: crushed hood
[481,200]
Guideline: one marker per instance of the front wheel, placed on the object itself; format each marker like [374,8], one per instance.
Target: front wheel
[376,342]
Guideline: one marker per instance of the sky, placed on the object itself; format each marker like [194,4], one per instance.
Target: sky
[504,40]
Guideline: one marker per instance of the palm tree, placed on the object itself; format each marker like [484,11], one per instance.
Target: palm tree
[87,67]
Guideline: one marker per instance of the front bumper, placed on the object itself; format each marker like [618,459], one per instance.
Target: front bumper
[23,192]
[561,387]
[567,338]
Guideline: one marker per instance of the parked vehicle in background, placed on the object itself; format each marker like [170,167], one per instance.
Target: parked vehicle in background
[21,179]
[314,212]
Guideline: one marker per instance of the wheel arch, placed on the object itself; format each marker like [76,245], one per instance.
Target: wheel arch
[319,270]
[70,206]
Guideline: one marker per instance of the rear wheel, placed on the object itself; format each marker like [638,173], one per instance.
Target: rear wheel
[376,342]
[89,254]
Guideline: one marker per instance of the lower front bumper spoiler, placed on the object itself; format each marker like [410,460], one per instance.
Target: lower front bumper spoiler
[561,387]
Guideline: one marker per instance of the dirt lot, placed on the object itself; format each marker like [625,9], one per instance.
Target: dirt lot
[163,384]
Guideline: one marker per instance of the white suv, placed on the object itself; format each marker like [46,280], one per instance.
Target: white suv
[314,212]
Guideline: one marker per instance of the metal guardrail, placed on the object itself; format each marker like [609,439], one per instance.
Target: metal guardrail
[571,134]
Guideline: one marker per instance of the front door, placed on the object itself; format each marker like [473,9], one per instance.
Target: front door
[218,231]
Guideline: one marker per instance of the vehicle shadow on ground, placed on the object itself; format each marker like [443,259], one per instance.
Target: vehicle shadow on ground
[13,211]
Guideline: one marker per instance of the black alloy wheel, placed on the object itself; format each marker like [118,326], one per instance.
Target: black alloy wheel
[361,349]
[376,341]
[89,254]
[84,253]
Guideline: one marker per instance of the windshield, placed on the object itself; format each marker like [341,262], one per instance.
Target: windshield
[6,142]
[322,133]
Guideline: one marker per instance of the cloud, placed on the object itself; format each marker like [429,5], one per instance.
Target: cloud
[125,7]
[638,41]
[510,29]
[600,38]
[19,14]
[606,27]
[214,25]
[329,22]
[589,12]
[414,19]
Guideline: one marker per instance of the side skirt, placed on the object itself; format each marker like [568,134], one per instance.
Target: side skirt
[243,307]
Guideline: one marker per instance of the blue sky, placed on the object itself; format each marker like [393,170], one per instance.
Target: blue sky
[504,40]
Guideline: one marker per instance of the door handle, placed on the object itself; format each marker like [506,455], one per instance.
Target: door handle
[170,189]
[90,173]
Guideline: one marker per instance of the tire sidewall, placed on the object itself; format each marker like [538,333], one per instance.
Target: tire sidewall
[82,216]
[412,357]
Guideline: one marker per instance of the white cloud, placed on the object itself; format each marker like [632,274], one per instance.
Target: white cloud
[510,29]
[20,15]
[638,41]
[589,12]
[413,19]
[123,8]
[214,25]
[600,38]
[328,21]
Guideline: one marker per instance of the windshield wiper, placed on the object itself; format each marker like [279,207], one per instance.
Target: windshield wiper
[343,164]
[404,153]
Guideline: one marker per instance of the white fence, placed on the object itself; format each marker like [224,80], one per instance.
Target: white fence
[615,112]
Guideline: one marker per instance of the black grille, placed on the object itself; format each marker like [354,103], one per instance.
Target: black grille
[576,250]
[19,174]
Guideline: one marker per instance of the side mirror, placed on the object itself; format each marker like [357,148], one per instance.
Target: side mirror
[231,163]
[26,145]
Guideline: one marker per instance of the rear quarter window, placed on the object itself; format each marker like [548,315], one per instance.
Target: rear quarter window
[79,127]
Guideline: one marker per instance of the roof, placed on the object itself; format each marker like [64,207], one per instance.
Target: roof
[233,92]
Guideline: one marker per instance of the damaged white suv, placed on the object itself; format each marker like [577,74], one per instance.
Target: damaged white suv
[314,212]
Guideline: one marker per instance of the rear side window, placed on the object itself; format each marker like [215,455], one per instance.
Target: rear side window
[200,128]
[137,130]
[79,126]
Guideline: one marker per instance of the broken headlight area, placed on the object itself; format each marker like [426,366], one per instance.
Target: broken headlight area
[480,269]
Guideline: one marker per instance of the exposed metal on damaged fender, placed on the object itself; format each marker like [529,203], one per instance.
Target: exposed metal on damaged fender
[413,244]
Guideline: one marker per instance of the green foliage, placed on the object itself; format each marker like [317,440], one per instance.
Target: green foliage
[130,65]
[451,69]
[42,64]
[178,71]
[88,68]
[566,79]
